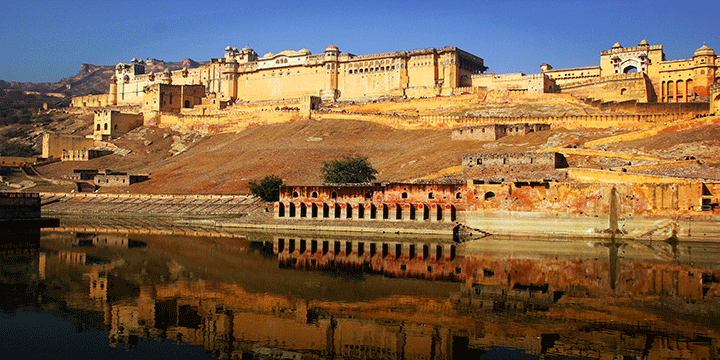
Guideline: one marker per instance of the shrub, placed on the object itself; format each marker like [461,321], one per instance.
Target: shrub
[349,169]
[267,189]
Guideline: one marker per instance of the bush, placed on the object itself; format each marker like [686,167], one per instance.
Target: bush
[13,148]
[11,133]
[267,189]
[349,169]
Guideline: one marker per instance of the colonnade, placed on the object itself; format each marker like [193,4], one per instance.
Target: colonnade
[401,259]
[366,211]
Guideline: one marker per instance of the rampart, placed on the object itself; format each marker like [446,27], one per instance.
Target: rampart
[220,122]
[644,121]
[615,87]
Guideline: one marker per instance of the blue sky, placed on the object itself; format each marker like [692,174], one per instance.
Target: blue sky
[48,40]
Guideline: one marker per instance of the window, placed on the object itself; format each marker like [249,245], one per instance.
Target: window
[404,195]
[431,195]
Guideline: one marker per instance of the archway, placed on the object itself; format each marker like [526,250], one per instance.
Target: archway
[187,104]
[630,69]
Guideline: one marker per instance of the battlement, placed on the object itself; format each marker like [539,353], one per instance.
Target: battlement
[632,48]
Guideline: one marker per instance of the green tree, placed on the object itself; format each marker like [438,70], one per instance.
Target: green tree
[348,169]
[268,188]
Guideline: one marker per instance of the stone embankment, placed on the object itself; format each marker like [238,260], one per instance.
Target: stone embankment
[198,215]
[167,205]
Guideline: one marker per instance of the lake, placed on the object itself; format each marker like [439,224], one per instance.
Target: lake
[344,296]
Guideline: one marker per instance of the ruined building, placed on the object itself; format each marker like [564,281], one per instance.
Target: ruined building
[492,132]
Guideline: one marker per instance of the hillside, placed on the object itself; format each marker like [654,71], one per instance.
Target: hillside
[223,164]
[90,78]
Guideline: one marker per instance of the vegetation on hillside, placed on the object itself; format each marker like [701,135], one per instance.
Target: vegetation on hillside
[267,189]
[347,170]
[17,107]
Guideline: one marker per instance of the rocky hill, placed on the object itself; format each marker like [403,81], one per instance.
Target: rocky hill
[91,78]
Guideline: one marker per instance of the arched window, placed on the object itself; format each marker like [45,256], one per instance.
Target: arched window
[314,195]
[105,127]
[295,194]
[98,127]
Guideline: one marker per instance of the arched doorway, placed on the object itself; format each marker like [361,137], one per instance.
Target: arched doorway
[630,69]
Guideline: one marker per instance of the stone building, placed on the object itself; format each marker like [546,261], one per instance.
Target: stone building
[492,132]
[513,167]
[172,98]
[83,155]
[332,75]
[54,145]
[683,80]
[107,177]
[114,178]
[111,123]
[389,202]
[715,99]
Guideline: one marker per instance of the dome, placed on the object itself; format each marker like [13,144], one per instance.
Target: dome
[332,48]
[228,48]
[643,43]
[167,71]
[247,48]
[304,51]
[234,49]
[617,45]
[704,51]
[268,55]
[134,60]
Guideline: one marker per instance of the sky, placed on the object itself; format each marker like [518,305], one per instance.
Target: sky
[46,41]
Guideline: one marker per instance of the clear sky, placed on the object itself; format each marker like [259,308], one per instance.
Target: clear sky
[45,41]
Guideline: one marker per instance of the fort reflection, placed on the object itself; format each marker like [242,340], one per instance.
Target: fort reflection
[591,304]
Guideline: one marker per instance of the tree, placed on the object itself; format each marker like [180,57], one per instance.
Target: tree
[267,189]
[348,169]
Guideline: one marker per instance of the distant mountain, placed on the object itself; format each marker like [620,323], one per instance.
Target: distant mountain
[92,78]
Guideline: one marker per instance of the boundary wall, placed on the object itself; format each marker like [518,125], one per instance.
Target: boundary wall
[643,121]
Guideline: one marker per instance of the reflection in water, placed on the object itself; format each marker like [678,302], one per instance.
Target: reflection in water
[232,300]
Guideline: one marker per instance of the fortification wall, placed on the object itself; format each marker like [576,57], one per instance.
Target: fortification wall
[617,87]
[715,99]
[219,123]
[634,107]
[602,176]
[54,144]
[591,199]
[679,126]
[100,100]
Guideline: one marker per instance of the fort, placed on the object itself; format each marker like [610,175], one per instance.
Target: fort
[634,91]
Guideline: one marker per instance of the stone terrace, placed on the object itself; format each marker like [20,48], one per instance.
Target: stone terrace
[150,204]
